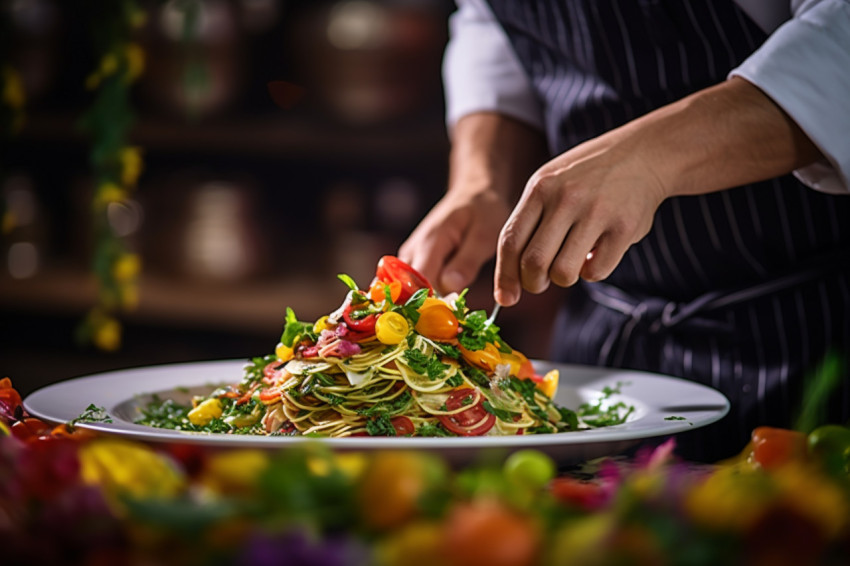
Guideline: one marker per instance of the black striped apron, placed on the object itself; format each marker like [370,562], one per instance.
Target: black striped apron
[745,290]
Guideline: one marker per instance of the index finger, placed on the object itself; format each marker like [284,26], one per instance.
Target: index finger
[513,239]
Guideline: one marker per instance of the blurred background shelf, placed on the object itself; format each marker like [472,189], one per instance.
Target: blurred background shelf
[273,136]
[248,202]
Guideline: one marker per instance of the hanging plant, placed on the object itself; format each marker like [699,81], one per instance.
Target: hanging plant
[116,165]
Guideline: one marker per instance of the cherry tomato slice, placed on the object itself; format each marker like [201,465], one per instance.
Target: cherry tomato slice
[474,421]
[437,322]
[403,426]
[30,429]
[773,447]
[363,325]
[487,358]
[376,291]
[391,269]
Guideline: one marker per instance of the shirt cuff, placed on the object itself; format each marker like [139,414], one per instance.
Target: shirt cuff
[802,67]
[481,72]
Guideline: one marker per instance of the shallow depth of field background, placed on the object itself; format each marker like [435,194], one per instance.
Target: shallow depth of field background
[244,207]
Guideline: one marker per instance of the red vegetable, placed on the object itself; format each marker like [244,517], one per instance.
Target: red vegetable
[360,325]
[474,421]
[391,269]
[403,426]
[773,447]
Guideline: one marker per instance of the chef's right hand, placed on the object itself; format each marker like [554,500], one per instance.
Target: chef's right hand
[456,238]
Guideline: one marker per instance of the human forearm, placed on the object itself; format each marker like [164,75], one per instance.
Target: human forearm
[492,156]
[581,211]
[494,153]
[724,136]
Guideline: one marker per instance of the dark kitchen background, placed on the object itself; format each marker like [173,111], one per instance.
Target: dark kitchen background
[310,142]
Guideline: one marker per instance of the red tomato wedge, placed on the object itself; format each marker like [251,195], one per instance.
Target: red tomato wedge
[391,269]
[474,421]
[403,426]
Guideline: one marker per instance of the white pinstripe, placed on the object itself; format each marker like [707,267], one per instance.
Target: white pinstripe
[686,242]
[762,366]
[736,235]
[723,38]
[630,58]
[709,222]
[709,54]
[810,227]
[661,238]
[751,43]
[783,349]
[783,218]
[754,216]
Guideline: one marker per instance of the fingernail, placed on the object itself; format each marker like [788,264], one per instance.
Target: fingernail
[505,298]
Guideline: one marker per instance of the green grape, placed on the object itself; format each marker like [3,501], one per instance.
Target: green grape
[530,468]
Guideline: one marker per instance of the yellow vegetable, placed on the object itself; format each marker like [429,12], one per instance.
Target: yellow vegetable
[283,352]
[321,324]
[204,413]
[391,328]
[549,385]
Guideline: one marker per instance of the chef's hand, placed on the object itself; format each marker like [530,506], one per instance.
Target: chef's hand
[456,238]
[581,211]
[491,157]
[578,215]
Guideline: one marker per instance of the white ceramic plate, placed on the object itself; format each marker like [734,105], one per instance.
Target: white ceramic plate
[656,398]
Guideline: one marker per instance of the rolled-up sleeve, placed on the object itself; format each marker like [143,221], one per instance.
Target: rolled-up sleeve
[804,66]
[481,72]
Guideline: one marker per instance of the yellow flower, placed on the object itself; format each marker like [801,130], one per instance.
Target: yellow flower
[580,542]
[234,471]
[131,165]
[121,467]
[417,544]
[134,55]
[93,81]
[107,333]
[731,498]
[129,296]
[138,18]
[814,496]
[8,222]
[13,89]
[107,193]
[108,64]
[127,267]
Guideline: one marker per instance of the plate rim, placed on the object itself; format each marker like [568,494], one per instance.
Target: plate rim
[35,403]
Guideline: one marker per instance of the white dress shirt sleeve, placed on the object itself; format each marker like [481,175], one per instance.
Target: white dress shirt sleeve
[481,72]
[804,66]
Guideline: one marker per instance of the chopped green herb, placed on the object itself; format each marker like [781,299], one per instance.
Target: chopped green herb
[92,414]
[380,426]
[349,282]
[501,414]
[435,429]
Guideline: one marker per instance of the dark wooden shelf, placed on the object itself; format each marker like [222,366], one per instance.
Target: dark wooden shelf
[268,136]
[256,307]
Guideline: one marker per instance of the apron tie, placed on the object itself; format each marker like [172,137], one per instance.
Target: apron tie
[658,315]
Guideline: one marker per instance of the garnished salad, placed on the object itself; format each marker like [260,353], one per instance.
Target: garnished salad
[394,359]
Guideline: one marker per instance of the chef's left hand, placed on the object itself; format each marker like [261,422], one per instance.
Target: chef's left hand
[599,197]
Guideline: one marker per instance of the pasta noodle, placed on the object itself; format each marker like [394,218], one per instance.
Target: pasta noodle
[392,360]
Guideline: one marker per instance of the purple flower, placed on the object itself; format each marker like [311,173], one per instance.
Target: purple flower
[300,548]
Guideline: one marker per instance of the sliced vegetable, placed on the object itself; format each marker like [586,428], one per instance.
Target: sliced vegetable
[437,321]
[391,269]
[391,328]
[474,421]
[487,358]
[359,320]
